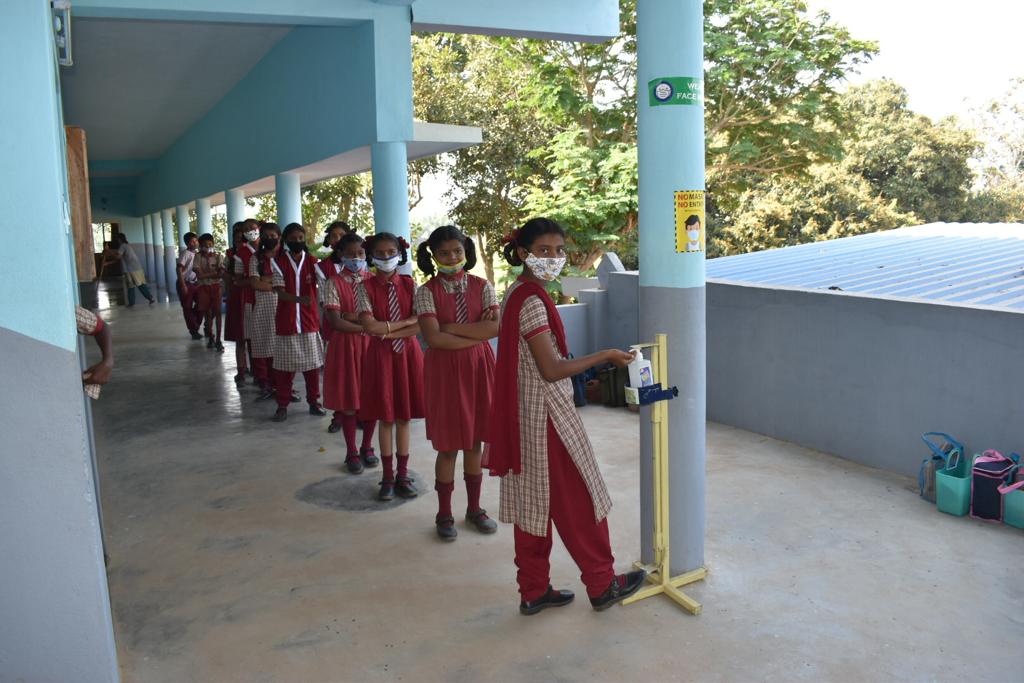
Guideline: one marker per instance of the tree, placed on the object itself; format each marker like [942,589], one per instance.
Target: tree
[905,157]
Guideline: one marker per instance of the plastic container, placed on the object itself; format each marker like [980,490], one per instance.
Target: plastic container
[953,486]
[1013,501]
[640,373]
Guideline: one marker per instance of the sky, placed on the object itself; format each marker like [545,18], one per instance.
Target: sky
[942,52]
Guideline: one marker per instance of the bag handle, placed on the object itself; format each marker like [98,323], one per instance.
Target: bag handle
[992,455]
[1007,488]
[937,450]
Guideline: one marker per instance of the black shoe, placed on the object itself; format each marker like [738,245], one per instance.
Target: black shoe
[481,522]
[370,458]
[552,598]
[619,590]
[266,395]
[196,336]
[295,397]
[219,347]
[387,491]
[281,415]
[405,488]
[315,409]
[446,528]
[209,343]
[353,464]
[334,427]
[240,379]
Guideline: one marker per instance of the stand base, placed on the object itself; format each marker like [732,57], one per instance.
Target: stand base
[669,586]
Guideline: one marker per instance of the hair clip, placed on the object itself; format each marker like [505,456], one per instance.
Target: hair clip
[511,237]
[402,243]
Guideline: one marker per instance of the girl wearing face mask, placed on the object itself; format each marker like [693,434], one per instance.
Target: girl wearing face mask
[538,444]
[297,346]
[246,268]
[327,267]
[458,313]
[392,391]
[346,350]
[234,324]
[264,311]
[208,268]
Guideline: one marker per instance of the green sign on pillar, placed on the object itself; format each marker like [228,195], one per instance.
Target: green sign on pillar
[676,90]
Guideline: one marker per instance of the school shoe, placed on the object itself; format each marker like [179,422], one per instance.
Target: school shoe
[240,379]
[219,347]
[405,488]
[281,415]
[209,343]
[334,428]
[315,409]
[353,464]
[387,491]
[266,395]
[481,522]
[196,336]
[553,598]
[370,458]
[621,587]
[295,398]
[446,528]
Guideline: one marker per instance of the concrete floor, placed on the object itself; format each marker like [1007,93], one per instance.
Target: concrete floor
[821,570]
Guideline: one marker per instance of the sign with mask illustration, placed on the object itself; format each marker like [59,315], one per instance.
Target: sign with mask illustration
[689,221]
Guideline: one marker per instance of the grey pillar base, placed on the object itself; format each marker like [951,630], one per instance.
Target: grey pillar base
[679,313]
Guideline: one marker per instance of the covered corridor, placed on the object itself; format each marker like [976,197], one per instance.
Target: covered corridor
[820,569]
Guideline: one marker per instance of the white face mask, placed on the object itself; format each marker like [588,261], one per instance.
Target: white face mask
[252,235]
[545,268]
[693,235]
[386,265]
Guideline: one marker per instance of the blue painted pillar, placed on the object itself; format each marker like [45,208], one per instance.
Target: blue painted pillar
[159,277]
[171,253]
[670,51]
[390,188]
[234,201]
[204,217]
[289,198]
[145,251]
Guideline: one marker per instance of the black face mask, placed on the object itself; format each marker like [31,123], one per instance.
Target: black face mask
[296,247]
[269,244]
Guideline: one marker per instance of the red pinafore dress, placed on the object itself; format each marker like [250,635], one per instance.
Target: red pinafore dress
[346,351]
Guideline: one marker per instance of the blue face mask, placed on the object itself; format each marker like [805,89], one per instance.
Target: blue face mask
[355,265]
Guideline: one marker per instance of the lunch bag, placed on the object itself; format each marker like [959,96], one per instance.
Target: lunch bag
[989,473]
[936,461]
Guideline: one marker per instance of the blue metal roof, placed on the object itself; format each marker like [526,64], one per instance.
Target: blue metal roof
[967,264]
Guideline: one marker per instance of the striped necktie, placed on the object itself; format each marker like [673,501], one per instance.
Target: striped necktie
[394,315]
[461,312]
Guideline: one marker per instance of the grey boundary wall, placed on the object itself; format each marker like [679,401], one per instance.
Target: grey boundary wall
[854,376]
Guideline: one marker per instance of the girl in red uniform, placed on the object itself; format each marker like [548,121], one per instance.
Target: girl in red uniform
[458,313]
[234,330]
[392,387]
[328,267]
[264,311]
[246,268]
[209,268]
[297,346]
[346,350]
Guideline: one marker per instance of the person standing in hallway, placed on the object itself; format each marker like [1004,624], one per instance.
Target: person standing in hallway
[297,345]
[134,276]
[538,444]
[208,267]
[346,351]
[264,311]
[458,314]
[188,285]
[392,386]
[246,268]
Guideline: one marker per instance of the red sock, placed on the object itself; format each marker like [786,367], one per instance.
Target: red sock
[444,498]
[348,429]
[368,428]
[388,463]
[403,466]
[474,482]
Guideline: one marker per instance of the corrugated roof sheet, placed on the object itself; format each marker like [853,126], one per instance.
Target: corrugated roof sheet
[968,264]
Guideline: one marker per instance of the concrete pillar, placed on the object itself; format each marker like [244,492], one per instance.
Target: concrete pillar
[289,198]
[235,204]
[159,276]
[204,217]
[145,250]
[390,188]
[670,111]
[176,235]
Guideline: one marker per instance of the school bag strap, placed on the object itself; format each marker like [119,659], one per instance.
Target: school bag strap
[937,448]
